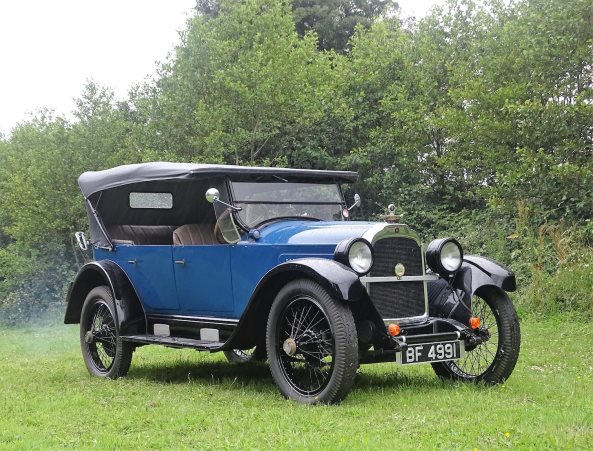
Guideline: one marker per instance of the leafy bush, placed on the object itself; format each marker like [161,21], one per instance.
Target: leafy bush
[475,121]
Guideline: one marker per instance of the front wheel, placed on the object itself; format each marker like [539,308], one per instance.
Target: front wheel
[104,352]
[493,360]
[312,344]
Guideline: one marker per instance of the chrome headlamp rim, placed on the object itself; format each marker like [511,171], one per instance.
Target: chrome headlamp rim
[434,256]
[342,254]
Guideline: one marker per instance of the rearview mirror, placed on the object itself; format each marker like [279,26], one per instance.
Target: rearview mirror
[212,195]
[357,202]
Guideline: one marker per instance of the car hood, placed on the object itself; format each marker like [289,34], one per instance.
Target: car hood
[310,232]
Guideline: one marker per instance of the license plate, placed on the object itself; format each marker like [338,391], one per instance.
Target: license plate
[431,352]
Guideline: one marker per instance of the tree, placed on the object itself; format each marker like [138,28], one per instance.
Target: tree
[334,21]
[41,203]
[241,86]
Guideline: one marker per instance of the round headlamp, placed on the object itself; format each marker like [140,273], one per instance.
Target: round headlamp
[356,253]
[444,256]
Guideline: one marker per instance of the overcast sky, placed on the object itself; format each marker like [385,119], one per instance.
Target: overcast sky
[49,48]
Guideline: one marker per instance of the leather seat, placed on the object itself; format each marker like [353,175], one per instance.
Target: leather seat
[194,234]
[141,235]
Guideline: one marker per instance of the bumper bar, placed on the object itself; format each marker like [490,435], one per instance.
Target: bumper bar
[427,338]
[430,331]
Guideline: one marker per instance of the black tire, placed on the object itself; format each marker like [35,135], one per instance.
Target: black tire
[256,354]
[321,356]
[493,361]
[104,353]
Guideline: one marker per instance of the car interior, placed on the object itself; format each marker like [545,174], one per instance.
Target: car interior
[167,212]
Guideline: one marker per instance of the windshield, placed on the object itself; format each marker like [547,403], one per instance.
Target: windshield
[265,201]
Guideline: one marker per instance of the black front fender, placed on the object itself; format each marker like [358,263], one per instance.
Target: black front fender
[341,282]
[485,271]
[454,300]
[130,314]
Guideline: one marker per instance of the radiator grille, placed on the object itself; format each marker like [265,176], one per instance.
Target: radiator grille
[397,299]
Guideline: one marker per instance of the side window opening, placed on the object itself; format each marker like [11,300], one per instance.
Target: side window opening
[160,201]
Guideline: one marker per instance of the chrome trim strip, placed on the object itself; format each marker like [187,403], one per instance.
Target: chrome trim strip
[406,320]
[208,319]
[368,279]
[386,230]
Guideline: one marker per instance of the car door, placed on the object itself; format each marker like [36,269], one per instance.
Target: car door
[203,279]
[150,269]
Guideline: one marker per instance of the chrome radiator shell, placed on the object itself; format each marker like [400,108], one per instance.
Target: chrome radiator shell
[403,245]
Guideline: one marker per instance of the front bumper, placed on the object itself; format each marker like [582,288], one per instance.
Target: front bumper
[431,331]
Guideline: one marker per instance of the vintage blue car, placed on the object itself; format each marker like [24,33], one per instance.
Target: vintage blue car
[265,263]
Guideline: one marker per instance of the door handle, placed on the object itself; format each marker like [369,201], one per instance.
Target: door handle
[180,262]
[132,262]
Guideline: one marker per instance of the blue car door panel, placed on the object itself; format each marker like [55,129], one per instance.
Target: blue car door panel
[203,278]
[150,269]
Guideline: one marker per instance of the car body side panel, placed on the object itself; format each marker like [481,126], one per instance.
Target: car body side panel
[150,269]
[219,280]
[341,282]
[251,261]
[203,278]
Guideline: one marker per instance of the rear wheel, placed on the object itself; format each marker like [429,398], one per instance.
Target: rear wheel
[104,353]
[493,360]
[255,354]
[312,344]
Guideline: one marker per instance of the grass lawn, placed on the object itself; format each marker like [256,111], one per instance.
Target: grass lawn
[174,398]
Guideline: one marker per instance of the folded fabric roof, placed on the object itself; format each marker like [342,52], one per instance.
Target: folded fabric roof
[95,181]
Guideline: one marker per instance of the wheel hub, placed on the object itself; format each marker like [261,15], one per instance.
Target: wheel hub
[289,346]
[89,337]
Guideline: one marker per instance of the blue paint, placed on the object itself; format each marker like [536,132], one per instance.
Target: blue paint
[151,274]
[312,232]
[218,280]
[250,261]
[204,283]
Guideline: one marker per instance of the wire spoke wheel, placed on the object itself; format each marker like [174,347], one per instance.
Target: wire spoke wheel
[305,346]
[244,354]
[312,344]
[255,354]
[493,360]
[477,361]
[104,353]
[101,336]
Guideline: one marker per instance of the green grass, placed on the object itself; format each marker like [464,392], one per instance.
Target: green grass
[176,399]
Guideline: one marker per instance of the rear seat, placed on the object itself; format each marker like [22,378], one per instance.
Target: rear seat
[141,234]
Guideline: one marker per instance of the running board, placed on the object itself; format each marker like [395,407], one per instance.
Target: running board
[174,342]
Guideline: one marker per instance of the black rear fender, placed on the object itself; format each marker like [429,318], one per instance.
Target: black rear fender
[340,281]
[476,274]
[130,314]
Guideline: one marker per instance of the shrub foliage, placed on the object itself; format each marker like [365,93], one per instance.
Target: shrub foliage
[475,121]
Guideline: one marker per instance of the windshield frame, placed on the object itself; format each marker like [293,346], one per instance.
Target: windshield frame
[239,221]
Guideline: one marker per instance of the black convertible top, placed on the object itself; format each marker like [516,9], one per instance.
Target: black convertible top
[94,181]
